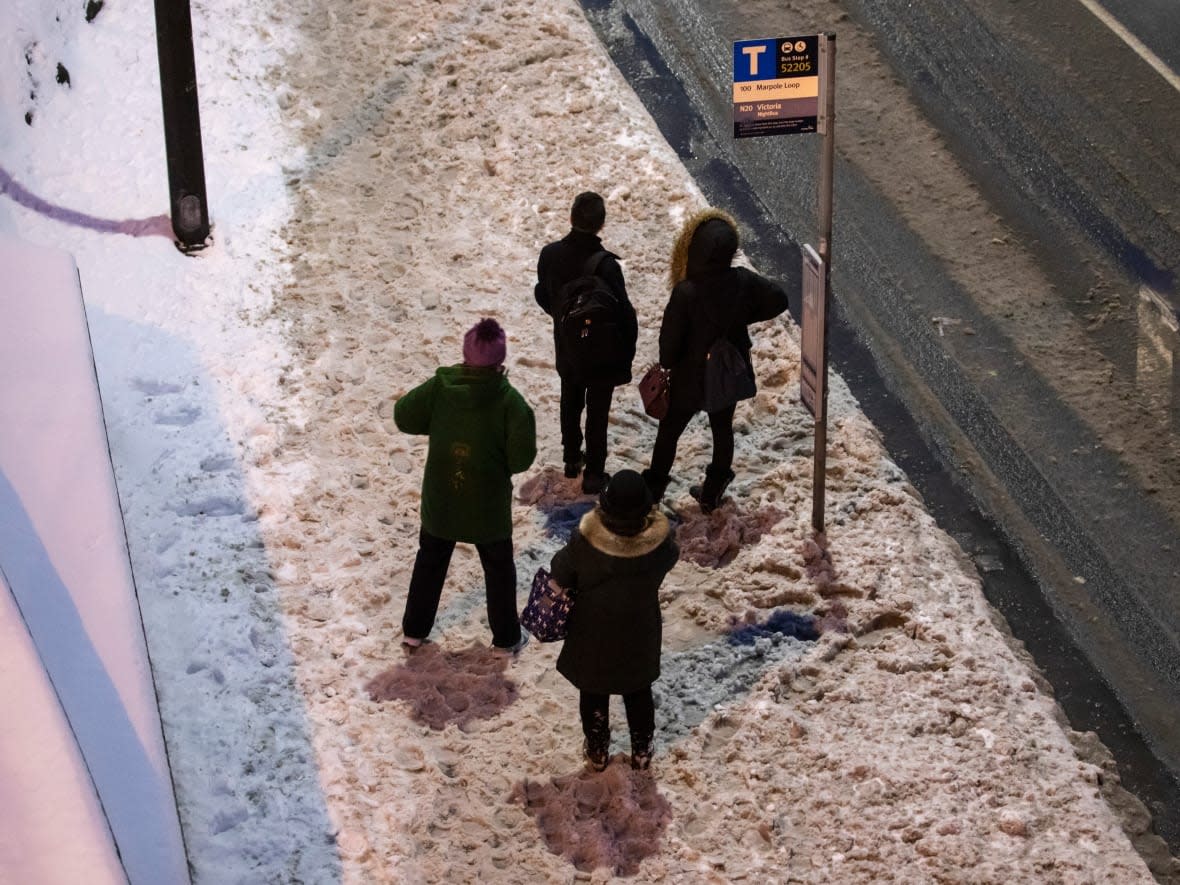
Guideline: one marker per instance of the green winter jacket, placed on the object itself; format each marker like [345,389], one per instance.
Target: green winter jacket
[481,432]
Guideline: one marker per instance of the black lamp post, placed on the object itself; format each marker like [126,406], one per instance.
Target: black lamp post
[182,124]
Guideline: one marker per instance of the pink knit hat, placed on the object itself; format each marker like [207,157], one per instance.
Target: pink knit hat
[484,344]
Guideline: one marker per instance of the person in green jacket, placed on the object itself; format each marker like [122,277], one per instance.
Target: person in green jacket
[481,432]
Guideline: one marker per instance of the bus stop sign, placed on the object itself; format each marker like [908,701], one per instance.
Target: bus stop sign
[775,86]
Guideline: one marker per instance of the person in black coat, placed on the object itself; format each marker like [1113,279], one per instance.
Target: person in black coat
[559,263]
[613,566]
[709,299]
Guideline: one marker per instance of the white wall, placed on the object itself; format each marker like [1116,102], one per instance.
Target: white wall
[63,557]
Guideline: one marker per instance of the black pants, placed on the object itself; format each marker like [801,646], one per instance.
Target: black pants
[595,400]
[595,712]
[673,425]
[430,572]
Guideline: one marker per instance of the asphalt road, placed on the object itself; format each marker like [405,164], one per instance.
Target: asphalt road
[1004,292]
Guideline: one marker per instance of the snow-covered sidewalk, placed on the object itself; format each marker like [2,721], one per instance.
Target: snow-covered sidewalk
[381,176]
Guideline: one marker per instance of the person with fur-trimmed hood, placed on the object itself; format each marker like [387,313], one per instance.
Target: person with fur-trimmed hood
[710,298]
[481,431]
[613,566]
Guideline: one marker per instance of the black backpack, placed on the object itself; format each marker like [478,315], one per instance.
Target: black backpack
[728,377]
[591,324]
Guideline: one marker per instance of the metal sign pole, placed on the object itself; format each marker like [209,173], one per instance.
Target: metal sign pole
[827,128]
[786,86]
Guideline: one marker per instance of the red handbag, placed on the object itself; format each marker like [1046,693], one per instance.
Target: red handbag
[653,390]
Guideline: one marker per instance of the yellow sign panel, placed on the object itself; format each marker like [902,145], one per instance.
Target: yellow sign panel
[772,90]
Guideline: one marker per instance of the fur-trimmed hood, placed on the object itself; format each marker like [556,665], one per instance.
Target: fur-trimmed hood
[714,250]
[627,546]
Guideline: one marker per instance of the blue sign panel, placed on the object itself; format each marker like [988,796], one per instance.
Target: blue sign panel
[755,60]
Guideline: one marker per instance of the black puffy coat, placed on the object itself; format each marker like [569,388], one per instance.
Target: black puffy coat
[565,260]
[615,627]
[710,298]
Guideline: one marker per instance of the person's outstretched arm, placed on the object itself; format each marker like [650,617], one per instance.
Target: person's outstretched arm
[767,299]
[412,411]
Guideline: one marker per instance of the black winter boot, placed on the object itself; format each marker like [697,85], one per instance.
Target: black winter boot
[641,742]
[656,484]
[709,494]
[573,464]
[597,746]
[594,481]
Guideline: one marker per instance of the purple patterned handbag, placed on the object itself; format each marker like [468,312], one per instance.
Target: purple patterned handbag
[547,611]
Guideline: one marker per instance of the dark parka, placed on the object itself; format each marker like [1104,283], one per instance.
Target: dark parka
[565,260]
[709,298]
[615,629]
[481,432]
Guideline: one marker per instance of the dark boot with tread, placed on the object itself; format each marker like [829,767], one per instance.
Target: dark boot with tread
[641,743]
[709,494]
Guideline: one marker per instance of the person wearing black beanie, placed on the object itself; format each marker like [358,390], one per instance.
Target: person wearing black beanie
[612,568]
